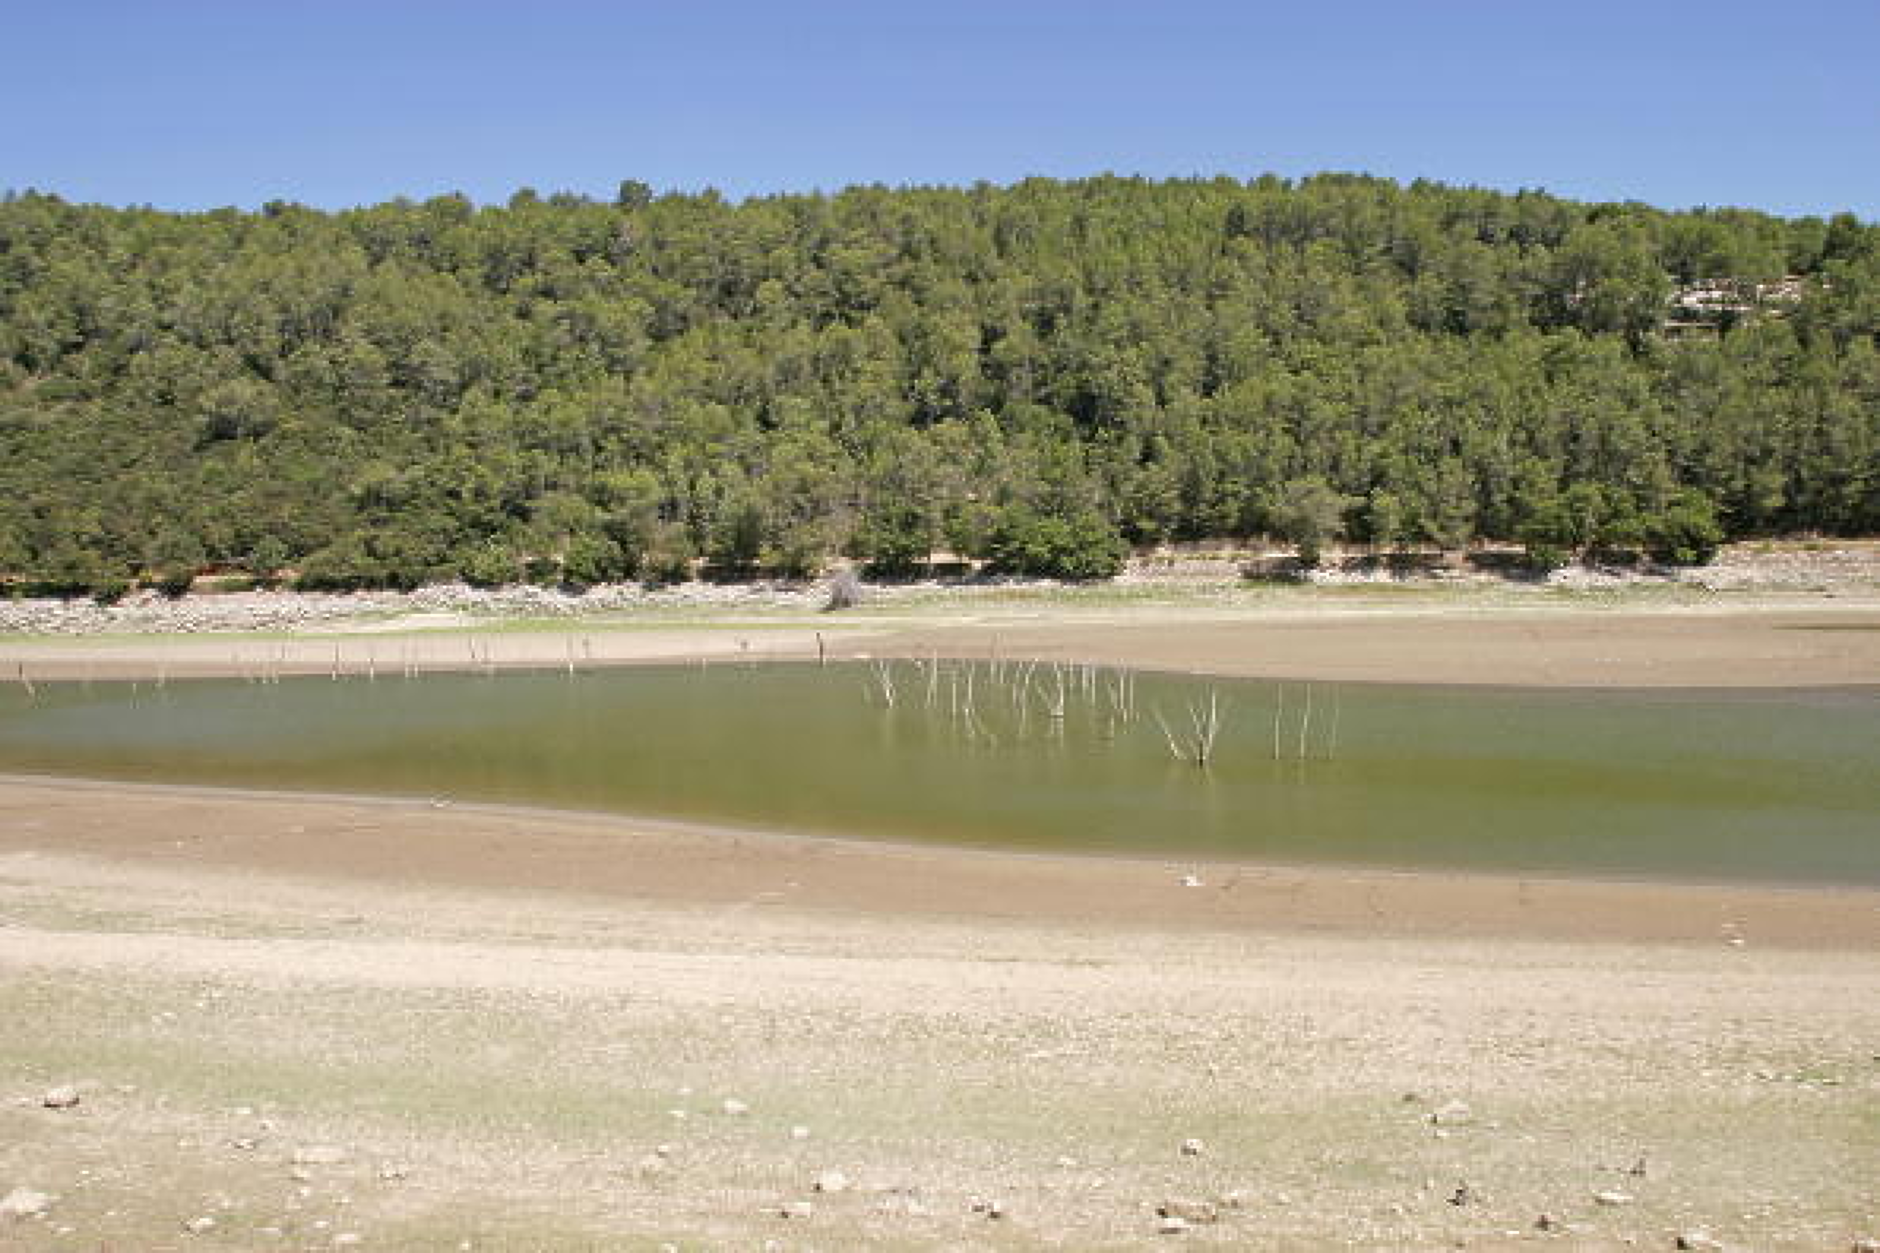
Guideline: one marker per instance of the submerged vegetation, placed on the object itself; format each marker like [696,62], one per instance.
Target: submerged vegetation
[1034,376]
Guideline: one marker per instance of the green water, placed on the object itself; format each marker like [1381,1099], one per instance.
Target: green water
[1697,785]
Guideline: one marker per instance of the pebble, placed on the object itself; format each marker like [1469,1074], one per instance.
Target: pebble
[1173,1226]
[1866,1244]
[200,1226]
[735,1107]
[65,1096]
[1698,1240]
[797,1209]
[1452,1114]
[24,1203]
[1189,1212]
[799,1133]
[1193,1148]
[347,1240]
[832,1181]
[319,1155]
[1612,1197]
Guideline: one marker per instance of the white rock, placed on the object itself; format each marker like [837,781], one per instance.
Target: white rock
[798,1209]
[1698,1240]
[200,1226]
[1193,1148]
[1612,1197]
[24,1203]
[65,1096]
[348,1240]
[799,1133]
[832,1181]
[1173,1226]
[1452,1114]
[734,1107]
[319,1155]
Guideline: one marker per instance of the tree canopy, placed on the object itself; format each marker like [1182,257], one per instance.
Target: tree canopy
[1036,375]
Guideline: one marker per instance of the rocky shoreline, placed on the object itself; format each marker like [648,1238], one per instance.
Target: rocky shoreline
[1845,567]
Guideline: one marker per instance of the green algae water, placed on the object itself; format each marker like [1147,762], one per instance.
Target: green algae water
[1757,786]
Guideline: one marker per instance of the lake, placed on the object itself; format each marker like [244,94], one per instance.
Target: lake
[1727,786]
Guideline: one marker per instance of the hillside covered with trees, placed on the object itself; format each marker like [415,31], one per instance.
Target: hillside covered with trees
[1036,375]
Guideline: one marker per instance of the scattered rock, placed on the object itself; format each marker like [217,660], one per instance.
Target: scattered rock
[24,1203]
[1698,1240]
[1191,881]
[1172,1226]
[200,1226]
[1452,1114]
[797,1209]
[65,1096]
[319,1155]
[1193,1148]
[1463,1195]
[735,1107]
[1612,1196]
[832,1181]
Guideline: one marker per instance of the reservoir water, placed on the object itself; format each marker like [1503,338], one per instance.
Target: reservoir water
[1764,786]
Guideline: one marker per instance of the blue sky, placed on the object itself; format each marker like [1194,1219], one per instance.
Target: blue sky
[197,103]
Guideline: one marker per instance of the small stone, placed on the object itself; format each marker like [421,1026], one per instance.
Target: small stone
[1172,1226]
[1191,881]
[65,1096]
[348,1240]
[735,1107]
[24,1203]
[1547,1222]
[299,1175]
[799,1133]
[1233,1198]
[244,1143]
[832,1181]
[394,1172]
[651,1165]
[1866,1244]
[200,1226]
[319,1155]
[797,1209]
[995,1210]
[1698,1240]
[1463,1195]
[1193,1148]
[1452,1114]
[1067,1163]
[1192,1213]
[1612,1197]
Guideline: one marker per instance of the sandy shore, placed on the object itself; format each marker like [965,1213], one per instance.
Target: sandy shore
[1772,643]
[613,859]
[304,1019]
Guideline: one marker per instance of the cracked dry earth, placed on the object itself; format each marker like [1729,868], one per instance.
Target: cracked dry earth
[273,1063]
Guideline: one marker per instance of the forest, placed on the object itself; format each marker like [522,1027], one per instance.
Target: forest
[1037,377]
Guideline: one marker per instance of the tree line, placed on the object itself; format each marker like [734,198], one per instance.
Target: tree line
[1036,376]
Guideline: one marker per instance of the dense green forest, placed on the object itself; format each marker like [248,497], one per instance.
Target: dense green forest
[1040,375]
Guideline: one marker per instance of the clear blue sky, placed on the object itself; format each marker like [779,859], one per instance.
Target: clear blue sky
[197,103]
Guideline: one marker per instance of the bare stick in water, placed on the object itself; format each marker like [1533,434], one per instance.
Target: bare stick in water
[1305,723]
